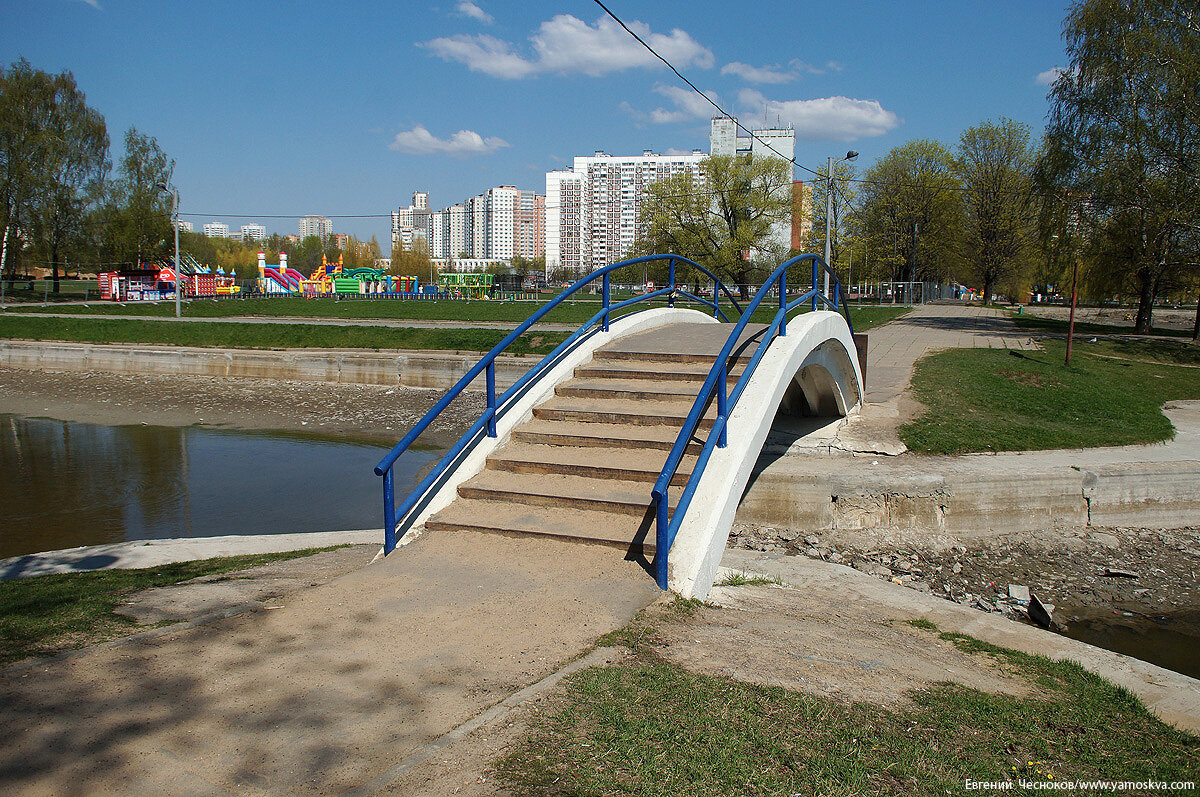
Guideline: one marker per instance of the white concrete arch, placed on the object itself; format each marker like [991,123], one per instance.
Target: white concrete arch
[814,368]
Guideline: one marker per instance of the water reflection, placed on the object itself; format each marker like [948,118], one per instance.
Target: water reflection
[67,484]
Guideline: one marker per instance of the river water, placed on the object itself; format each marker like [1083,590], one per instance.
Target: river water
[67,484]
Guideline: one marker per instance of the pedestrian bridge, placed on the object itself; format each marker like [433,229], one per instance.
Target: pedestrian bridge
[641,429]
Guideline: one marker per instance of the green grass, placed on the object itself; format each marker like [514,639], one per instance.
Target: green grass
[44,615]
[997,400]
[648,727]
[740,579]
[574,312]
[1054,325]
[265,336]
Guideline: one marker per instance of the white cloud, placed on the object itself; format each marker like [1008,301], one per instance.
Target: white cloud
[469,9]
[483,53]
[94,4]
[566,44]
[688,105]
[1048,77]
[757,74]
[420,141]
[827,118]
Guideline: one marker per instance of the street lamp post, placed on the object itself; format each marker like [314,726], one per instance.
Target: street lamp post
[851,155]
[175,223]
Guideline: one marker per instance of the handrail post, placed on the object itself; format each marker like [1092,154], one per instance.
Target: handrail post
[783,303]
[661,544]
[491,398]
[716,300]
[607,302]
[815,281]
[389,511]
[671,282]
[723,403]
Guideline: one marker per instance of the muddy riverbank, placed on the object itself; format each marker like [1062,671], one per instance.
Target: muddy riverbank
[365,413]
[1134,590]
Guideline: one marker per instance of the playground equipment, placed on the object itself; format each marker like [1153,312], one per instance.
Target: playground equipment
[278,278]
[156,279]
[465,286]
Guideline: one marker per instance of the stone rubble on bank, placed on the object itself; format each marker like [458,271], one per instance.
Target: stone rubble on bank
[1146,570]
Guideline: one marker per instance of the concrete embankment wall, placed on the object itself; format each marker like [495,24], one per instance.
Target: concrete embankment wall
[432,369]
[962,498]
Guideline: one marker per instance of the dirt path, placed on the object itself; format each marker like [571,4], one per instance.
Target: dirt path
[325,693]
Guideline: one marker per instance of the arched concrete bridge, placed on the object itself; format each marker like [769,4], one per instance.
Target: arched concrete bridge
[584,448]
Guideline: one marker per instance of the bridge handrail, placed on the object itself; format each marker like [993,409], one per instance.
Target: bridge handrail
[666,526]
[487,363]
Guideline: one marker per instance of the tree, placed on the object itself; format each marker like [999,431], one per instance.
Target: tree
[728,222]
[53,152]
[1124,138]
[413,261]
[995,164]
[845,193]
[138,214]
[910,212]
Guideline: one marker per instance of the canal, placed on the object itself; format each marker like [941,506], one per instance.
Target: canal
[67,484]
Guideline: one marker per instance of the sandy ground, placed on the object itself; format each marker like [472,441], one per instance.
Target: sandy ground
[324,693]
[373,413]
[1164,318]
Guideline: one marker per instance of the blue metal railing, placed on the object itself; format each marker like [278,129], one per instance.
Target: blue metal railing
[487,421]
[667,523]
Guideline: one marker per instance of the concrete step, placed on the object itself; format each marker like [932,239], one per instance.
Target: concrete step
[566,492]
[657,372]
[620,411]
[633,389]
[601,463]
[470,514]
[600,435]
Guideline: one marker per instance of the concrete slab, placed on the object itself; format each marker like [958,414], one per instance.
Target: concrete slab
[151,553]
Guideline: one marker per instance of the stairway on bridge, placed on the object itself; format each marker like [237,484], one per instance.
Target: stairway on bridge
[584,465]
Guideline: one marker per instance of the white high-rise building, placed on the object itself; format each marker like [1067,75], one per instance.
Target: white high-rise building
[592,210]
[499,224]
[315,225]
[412,222]
[184,226]
[254,232]
[216,229]
[770,142]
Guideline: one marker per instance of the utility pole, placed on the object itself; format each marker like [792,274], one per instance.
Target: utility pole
[828,218]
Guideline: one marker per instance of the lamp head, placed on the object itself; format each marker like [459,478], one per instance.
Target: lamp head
[851,155]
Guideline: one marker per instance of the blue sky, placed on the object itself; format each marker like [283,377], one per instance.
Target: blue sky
[346,108]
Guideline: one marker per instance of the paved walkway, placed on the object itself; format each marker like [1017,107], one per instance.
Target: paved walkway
[892,353]
[895,348]
[326,692]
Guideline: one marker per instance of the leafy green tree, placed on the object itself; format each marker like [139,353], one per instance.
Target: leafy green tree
[1124,139]
[53,155]
[845,196]
[726,222]
[413,261]
[137,218]
[910,212]
[995,164]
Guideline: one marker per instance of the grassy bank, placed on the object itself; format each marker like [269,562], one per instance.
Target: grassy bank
[268,336]
[575,312]
[649,727]
[997,400]
[44,615]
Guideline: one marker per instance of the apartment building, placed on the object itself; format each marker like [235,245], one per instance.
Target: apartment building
[254,232]
[216,229]
[592,210]
[315,225]
[501,223]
